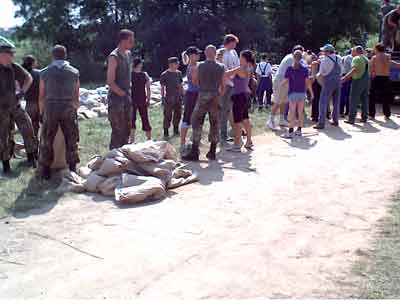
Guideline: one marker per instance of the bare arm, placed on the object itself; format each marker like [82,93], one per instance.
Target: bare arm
[27,82]
[349,75]
[195,75]
[309,87]
[162,91]
[76,102]
[372,66]
[233,72]
[148,91]
[42,95]
[112,67]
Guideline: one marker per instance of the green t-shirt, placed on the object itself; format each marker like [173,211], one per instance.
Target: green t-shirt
[172,82]
[360,63]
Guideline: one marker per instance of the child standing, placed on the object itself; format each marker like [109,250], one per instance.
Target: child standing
[172,91]
[141,95]
[298,78]
[240,98]
[190,58]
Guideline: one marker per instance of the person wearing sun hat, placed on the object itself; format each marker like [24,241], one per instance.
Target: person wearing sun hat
[329,75]
[10,107]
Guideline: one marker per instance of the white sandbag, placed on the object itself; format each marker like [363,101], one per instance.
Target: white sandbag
[71,182]
[182,173]
[84,172]
[146,188]
[149,151]
[59,161]
[181,181]
[114,153]
[95,162]
[111,167]
[101,111]
[107,188]
[162,170]
[93,182]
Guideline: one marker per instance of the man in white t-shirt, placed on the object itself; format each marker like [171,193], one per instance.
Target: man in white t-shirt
[230,60]
[281,91]
[264,78]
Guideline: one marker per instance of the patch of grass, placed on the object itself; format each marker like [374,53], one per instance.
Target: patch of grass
[382,271]
[25,191]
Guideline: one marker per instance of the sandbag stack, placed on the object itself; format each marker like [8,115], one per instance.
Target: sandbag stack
[132,173]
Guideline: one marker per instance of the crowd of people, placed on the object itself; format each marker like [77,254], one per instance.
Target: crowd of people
[221,87]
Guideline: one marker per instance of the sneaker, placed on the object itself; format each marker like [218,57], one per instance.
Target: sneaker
[235,148]
[270,124]
[349,122]
[249,146]
[335,124]
[283,123]
[298,133]
[318,126]
[288,135]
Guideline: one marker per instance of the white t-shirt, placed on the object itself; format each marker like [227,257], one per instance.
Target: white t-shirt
[327,64]
[231,61]
[264,69]
[347,60]
[287,62]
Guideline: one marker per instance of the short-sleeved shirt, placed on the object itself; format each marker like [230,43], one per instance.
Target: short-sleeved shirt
[297,79]
[172,82]
[347,60]
[360,64]
[264,69]
[8,76]
[231,60]
[210,75]
[287,62]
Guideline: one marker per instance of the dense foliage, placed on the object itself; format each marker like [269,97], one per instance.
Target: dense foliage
[164,28]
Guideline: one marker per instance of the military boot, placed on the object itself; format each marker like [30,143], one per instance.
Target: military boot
[72,167]
[166,134]
[6,167]
[46,173]
[32,160]
[212,154]
[193,155]
[176,130]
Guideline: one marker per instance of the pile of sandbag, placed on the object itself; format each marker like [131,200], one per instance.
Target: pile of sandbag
[132,173]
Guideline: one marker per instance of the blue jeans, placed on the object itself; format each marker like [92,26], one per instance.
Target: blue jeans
[329,90]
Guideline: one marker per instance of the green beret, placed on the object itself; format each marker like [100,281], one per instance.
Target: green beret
[6,45]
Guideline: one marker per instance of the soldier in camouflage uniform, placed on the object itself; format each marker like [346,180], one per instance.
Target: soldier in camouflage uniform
[119,96]
[10,107]
[211,86]
[59,102]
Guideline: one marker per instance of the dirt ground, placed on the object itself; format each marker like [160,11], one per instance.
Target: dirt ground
[285,221]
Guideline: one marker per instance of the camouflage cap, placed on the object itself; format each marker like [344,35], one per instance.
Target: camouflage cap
[6,46]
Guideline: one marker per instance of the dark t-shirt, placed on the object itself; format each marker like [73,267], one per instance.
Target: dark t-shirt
[32,95]
[8,76]
[172,82]
[297,79]
[210,74]
[139,81]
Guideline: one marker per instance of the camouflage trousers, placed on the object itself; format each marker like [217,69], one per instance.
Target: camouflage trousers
[24,124]
[65,116]
[206,103]
[32,108]
[120,117]
[172,112]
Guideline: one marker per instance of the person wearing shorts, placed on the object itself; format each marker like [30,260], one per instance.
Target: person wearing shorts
[141,95]
[240,97]
[190,57]
[297,80]
[280,91]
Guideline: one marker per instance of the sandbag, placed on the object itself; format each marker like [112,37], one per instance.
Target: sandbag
[144,188]
[93,182]
[71,182]
[107,188]
[115,153]
[111,167]
[84,172]
[181,181]
[149,151]
[95,162]
[162,170]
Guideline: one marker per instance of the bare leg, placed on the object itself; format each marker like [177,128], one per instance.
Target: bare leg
[247,128]
[148,135]
[292,114]
[238,133]
[132,137]
[300,112]
[183,135]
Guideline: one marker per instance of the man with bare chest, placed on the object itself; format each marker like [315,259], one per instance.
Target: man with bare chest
[381,88]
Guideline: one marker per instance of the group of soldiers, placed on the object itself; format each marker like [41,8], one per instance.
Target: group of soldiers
[57,103]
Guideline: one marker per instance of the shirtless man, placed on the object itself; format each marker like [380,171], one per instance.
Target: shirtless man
[381,88]
[390,27]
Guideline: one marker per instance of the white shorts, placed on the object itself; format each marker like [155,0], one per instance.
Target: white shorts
[280,92]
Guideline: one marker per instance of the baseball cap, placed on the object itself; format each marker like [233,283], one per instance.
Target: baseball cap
[193,50]
[328,48]
[6,46]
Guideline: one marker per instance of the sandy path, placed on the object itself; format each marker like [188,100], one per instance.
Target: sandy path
[283,221]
